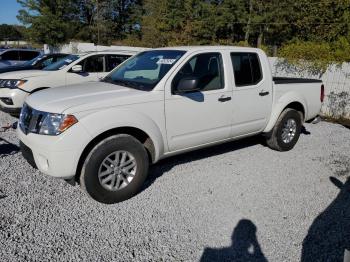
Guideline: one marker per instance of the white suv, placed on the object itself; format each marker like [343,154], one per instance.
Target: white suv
[74,69]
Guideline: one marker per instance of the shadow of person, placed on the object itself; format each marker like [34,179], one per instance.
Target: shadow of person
[329,234]
[245,246]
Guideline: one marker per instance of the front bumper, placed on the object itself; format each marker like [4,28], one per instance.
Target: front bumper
[56,156]
[17,96]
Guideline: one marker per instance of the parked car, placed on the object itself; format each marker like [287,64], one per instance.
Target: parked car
[36,63]
[75,68]
[157,104]
[10,57]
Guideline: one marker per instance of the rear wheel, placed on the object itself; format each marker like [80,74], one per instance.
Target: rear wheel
[115,169]
[286,131]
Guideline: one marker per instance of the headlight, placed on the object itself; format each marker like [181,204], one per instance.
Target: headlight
[55,124]
[11,83]
[38,122]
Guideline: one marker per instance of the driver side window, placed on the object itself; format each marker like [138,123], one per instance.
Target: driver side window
[207,68]
[93,64]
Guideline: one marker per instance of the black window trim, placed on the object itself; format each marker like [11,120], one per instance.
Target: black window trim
[222,71]
[260,67]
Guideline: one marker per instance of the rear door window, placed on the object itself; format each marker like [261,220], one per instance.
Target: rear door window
[27,55]
[10,55]
[112,61]
[247,68]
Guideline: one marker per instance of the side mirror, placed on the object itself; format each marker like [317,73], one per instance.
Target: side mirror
[187,85]
[77,69]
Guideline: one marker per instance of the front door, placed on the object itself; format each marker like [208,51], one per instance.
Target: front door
[93,69]
[203,116]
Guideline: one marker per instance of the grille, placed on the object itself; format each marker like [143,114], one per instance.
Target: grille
[30,119]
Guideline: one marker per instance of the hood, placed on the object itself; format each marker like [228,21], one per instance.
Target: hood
[87,96]
[25,74]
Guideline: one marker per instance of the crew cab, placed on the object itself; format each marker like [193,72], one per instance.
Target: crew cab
[160,103]
[73,69]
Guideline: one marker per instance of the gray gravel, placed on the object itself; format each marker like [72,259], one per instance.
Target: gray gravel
[235,202]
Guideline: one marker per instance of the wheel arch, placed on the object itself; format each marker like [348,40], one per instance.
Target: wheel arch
[38,89]
[296,104]
[137,133]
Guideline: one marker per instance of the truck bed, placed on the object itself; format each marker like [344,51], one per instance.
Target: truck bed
[292,80]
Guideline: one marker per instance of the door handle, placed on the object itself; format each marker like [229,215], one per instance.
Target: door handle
[224,98]
[264,93]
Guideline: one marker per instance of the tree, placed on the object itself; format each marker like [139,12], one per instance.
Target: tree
[11,32]
[50,21]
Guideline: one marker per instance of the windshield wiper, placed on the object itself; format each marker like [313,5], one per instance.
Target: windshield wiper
[123,83]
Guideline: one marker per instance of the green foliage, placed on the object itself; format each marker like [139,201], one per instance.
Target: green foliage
[58,21]
[316,57]
[304,30]
[11,32]
[51,22]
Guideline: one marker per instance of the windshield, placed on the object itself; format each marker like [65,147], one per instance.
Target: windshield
[34,60]
[144,70]
[62,63]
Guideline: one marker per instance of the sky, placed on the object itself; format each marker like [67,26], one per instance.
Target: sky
[8,11]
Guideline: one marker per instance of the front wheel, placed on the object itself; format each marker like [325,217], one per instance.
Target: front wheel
[115,169]
[286,131]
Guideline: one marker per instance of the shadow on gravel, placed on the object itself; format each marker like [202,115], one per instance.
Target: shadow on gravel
[7,148]
[245,246]
[329,234]
[167,164]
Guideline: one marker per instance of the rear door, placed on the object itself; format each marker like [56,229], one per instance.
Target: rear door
[200,117]
[252,95]
[93,68]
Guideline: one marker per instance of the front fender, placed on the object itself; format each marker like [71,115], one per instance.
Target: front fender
[99,122]
[281,104]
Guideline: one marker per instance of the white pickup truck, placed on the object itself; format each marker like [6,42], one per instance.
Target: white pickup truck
[157,104]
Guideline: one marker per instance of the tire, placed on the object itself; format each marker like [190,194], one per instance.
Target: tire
[277,139]
[119,185]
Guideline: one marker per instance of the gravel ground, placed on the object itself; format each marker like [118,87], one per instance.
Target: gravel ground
[235,202]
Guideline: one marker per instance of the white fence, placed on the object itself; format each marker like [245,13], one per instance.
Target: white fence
[337,85]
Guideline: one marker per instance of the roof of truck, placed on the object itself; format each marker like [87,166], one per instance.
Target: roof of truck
[213,48]
[127,52]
